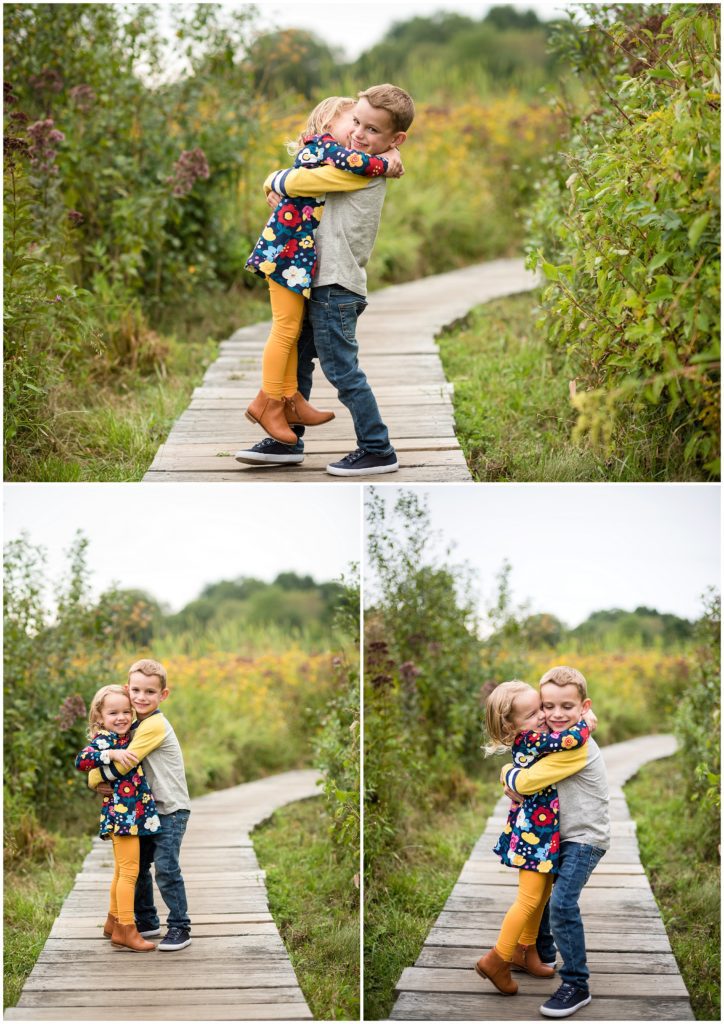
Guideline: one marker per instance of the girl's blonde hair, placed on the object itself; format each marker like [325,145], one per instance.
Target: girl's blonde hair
[95,722]
[321,118]
[499,715]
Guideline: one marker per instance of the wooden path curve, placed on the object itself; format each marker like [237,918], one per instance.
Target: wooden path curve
[398,353]
[634,975]
[236,967]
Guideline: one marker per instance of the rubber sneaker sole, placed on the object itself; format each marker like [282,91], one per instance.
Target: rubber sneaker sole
[567,1012]
[261,459]
[168,948]
[149,933]
[369,471]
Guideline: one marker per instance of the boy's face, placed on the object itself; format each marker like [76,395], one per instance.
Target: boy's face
[562,705]
[373,131]
[146,693]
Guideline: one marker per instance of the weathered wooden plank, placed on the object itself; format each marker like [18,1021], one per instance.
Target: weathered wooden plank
[464,1006]
[290,474]
[641,941]
[236,1011]
[599,961]
[441,979]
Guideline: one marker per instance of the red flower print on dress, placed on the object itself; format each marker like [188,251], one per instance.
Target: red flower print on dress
[289,216]
[543,816]
[126,788]
[555,843]
[290,248]
[140,809]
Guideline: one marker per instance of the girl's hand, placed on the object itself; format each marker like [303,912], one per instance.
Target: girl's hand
[394,163]
[591,719]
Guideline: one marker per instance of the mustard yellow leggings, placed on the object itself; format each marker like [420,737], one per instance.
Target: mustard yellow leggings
[522,921]
[279,362]
[126,854]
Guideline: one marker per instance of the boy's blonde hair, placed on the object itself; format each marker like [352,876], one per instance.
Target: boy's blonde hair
[321,118]
[395,101]
[499,715]
[149,667]
[563,675]
[95,722]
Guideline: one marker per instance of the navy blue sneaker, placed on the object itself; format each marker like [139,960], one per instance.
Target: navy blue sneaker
[566,1001]
[362,463]
[148,933]
[272,453]
[175,938]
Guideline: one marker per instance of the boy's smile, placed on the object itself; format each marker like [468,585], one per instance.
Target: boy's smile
[373,131]
[562,705]
[146,693]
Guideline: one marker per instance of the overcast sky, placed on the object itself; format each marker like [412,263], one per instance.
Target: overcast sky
[355,27]
[171,540]
[582,547]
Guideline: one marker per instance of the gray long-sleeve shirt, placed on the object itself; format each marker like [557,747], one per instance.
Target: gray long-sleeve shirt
[346,235]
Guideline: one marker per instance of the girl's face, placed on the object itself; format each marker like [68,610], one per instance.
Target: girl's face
[116,714]
[341,127]
[528,713]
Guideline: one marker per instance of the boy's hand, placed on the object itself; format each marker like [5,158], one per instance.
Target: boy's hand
[591,719]
[273,199]
[394,164]
[104,788]
[125,758]
[512,795]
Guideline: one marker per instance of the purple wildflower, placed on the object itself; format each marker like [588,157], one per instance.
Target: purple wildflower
[44,137]
[83,96]
[72,708]
[48,79]
[75,217]
[190,166]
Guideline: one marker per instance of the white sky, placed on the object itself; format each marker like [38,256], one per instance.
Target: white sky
[582,547]
[171,540]
[355,27]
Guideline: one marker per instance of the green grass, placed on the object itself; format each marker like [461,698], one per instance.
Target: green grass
[314,902]
[407,890]
[513,413]
[679,852]
[34,894]
[106,423]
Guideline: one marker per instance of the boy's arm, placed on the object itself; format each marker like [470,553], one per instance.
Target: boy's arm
[303,181]
[545,772]
[147,736]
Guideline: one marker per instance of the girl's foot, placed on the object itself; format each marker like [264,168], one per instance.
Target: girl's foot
[126,936]
[495,969]
[269,414]
[300,413]
[525,958]
[108,927]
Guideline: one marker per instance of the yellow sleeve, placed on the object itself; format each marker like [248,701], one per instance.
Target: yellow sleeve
[304,181]
[547,771]
[94,778]
[147,736]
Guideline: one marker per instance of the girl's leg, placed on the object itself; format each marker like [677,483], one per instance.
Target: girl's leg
[126,852]
[530,932]
[287,316]
[113,910]
[533,890]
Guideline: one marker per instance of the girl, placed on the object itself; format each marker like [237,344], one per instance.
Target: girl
[128,814]
[530,840]
[285,255]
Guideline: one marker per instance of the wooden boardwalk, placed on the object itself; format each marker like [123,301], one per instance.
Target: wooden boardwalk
[401,359]
[236,967]
[634,975]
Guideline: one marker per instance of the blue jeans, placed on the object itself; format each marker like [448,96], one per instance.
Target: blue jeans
[329,334]
[563,915]
[163,851]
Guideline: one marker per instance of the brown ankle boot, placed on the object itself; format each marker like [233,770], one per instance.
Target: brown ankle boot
[108,927]
[269,414]
[126,936]
[495,969]
[300,413]
[525,958]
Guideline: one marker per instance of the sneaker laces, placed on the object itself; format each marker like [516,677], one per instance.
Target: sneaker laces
[354,456]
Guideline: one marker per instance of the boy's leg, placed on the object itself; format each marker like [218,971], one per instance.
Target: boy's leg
[334,311]
[577,861]
[168,875]
[147,920]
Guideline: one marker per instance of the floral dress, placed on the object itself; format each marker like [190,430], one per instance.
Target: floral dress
[285,251]
[131,811]
[530,839]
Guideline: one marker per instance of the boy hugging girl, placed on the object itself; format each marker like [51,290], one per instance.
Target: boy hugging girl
[135,762]
[557,831]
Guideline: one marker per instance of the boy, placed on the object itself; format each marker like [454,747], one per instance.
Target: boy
[344,240]
[580,777]
[154,742]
